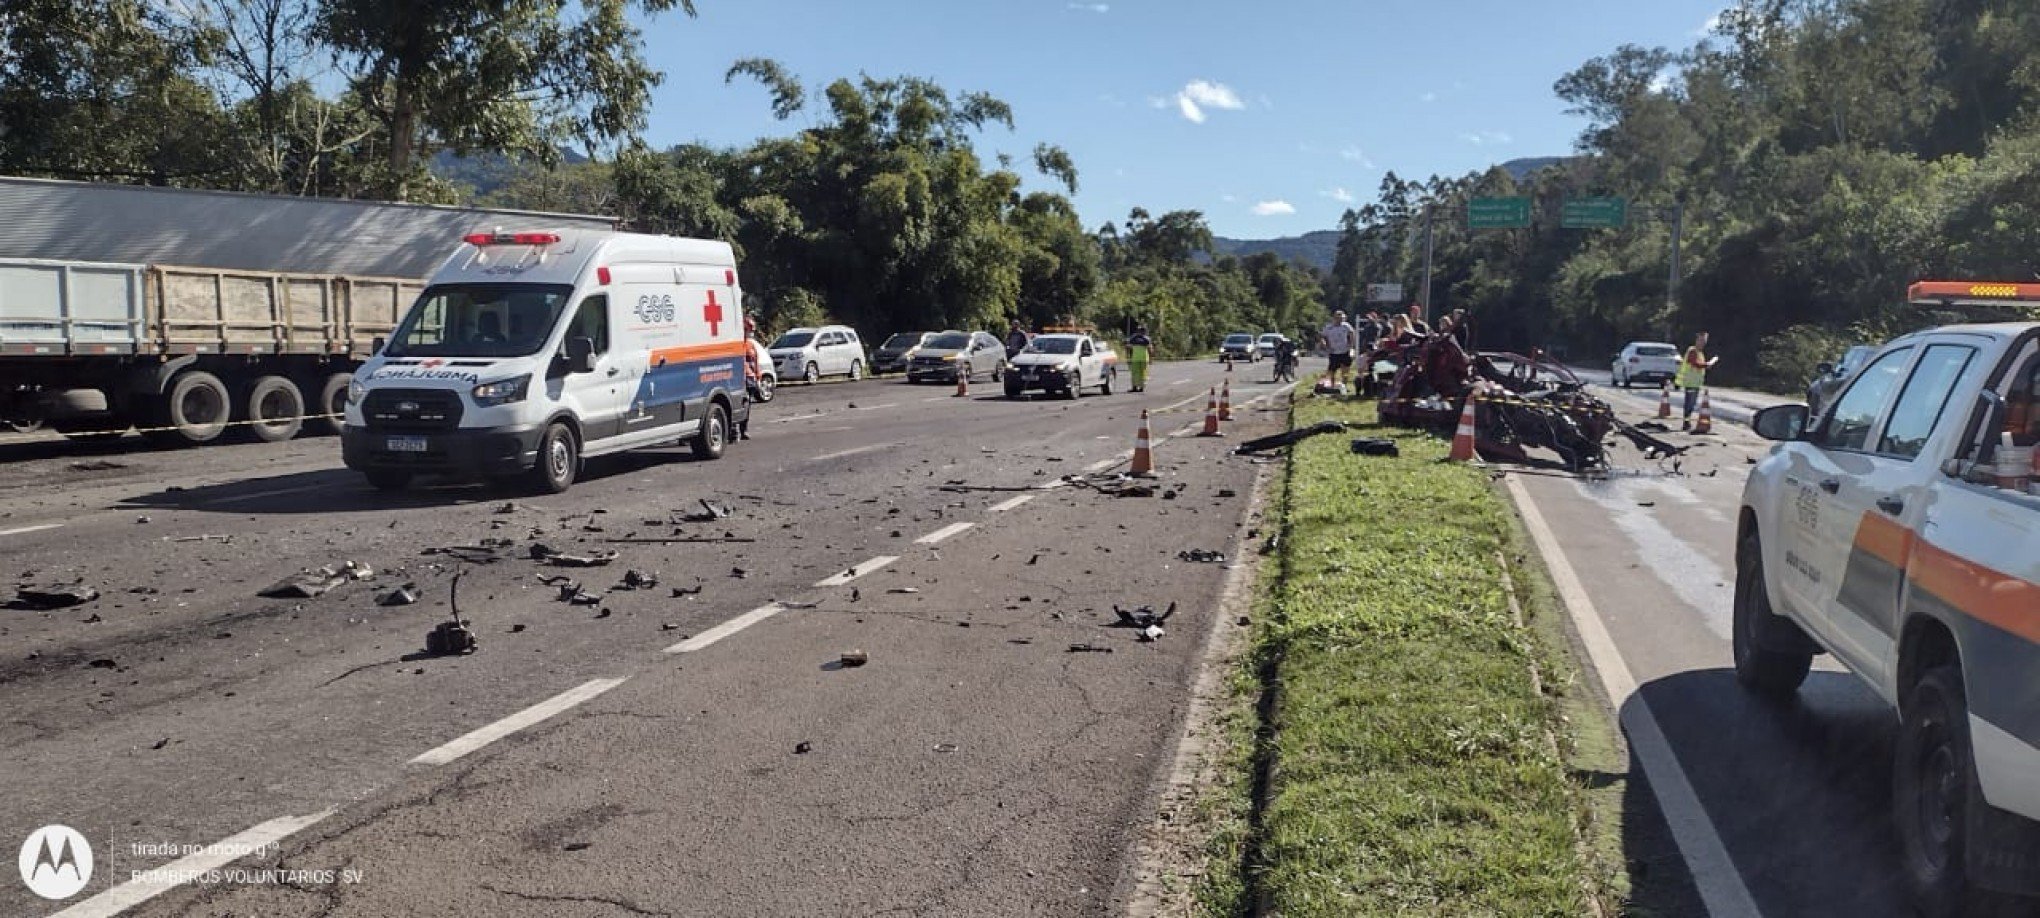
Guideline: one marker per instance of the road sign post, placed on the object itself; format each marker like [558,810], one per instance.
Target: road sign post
[1594,213]
[1497,213]
[1384,293]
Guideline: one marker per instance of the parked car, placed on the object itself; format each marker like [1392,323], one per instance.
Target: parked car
[1064,364]
[952,352]
[1240,346]
[767,381]
[808,354]
[1645,362]
[1828,378]
[892,356]
[1268,343]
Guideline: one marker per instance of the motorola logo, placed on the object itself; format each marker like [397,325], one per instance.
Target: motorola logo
[56,862]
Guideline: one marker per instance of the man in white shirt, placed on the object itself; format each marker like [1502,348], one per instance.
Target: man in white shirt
[1339,338]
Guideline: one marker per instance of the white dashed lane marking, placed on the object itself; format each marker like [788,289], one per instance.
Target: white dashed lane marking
[858,571]
[149,884]
[726,629]
[516,722]
[839,454]
[1009,503]
[22,530]
[943,533]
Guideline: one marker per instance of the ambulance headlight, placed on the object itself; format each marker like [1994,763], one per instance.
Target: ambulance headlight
[356,392]
[503,392]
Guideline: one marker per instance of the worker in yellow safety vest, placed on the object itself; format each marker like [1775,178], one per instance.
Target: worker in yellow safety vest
[1692,374]
[1137,346]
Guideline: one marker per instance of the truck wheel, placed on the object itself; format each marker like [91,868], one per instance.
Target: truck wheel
[1767,673]
[275,410]
[714,434]
[559,458]
[388,479]
[196,408]
[333,401]
[1933,784]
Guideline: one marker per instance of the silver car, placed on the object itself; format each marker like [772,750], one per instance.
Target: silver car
[808,354]
[952,352]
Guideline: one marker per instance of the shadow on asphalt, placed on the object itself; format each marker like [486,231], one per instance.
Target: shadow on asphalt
[1800,793]
[344,490]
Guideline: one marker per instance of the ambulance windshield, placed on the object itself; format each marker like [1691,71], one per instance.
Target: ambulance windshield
[480,320]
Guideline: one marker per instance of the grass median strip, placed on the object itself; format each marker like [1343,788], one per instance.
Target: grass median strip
[1393,753]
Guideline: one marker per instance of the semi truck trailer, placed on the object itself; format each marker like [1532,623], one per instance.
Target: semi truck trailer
[194,316]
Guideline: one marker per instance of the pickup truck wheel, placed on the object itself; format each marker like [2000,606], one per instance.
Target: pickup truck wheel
[559,459]
[1933,783]
[1767,673]
[333,401]
[1073,388]
[714,434]
[274,410]
[1105,388]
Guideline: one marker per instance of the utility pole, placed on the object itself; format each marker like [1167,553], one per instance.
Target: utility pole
[1425,300]
[1672,283]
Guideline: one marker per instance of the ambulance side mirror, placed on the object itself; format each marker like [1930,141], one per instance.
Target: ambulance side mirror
[376,344]
[581,355]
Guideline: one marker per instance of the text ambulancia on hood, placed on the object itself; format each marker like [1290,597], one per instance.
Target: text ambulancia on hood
[420,373]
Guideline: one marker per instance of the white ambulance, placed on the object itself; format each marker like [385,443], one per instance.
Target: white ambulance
[531,351]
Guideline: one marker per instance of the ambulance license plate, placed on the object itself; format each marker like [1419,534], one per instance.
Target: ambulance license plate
[406,444]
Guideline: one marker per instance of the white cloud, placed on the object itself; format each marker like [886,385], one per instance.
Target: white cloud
[1487,138]
[1340,195]
[1273,208]
[1198,95]
[1092,7]
[1428,97]
[1229,198]
[1664,80]
[1158,101]
[1356,155]
[1707,28]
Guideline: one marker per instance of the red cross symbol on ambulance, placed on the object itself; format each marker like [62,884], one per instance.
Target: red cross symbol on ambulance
[711,311]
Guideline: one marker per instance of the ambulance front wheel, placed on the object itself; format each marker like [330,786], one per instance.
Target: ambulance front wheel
[559,460]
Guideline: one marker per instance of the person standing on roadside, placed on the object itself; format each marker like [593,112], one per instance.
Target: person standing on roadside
[1339,337]
[1016,340]
[1692,375]
[1137,345]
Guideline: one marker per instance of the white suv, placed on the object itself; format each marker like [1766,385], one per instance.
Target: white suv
[808,354]
[1645,362]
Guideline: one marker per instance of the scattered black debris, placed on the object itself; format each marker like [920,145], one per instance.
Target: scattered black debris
[1227,492]
[305,585]
[739,573]
[471,554]
[1710,473]
[668,626]
[1243,621]
[854,658]
[898,534]
[1151,633]
[199,538]
[93,619]
[602,613]
[1142,617]
[99,465]
[1089,648]
[357,570]
[1033,559]
[165,741]
[709,513]
[1646,503]
[904,590]
[1168,495]
[542,552]
[802,748]
[790,604]
[451,637]
[1654,427]
[507,508]
[141,519]
[677,540]
[54,597]
[1201,556]
[401,596]
[1375,446]
[1287,438]
[944,747]
[554,579]
[854,595]
[572,594]
[632,580]
[681,592]
[576,846]
[517,628]
[1749,460]
[102,663]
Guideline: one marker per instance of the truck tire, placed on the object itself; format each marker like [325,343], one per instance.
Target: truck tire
[195,408]
[274,410]
[1933,783]
[388,479]
[1767,673]
[559,460]
[333,401]
[714,435]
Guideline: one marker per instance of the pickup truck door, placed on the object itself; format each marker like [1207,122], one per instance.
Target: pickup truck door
[1829,481]
[1890,501]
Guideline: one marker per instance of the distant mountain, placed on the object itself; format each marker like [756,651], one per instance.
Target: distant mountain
[488,171]
[1520,169]
[1314,248]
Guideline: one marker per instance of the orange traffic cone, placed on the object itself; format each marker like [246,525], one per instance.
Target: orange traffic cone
[1225,401]
[1664,402]
[1462,439]
[962,381]
[1143,452]
[1211,417]
[1706,422]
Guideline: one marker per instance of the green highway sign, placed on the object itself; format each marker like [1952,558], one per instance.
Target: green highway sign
[1497,213]
[1594,213]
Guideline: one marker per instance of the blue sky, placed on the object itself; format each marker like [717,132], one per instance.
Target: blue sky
[1263,116]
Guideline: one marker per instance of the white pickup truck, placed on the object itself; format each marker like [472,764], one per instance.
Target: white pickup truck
[1879,531]
[1065,364]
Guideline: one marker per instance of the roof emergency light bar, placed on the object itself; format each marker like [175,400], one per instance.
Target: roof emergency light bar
[1971,291]
[502,238]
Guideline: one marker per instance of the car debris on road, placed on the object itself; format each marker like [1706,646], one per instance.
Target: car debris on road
[54,597]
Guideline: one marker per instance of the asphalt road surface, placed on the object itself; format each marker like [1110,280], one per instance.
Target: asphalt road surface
[1796,799]
[695,748]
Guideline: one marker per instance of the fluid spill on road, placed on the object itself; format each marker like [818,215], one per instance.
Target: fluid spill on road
[1684,567]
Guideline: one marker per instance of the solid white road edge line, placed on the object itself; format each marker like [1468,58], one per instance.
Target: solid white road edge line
[858,571]
[516,722]
[1009,503]
[726,629]
[1714,875]
[21,530]
[156,882]
[943,533]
